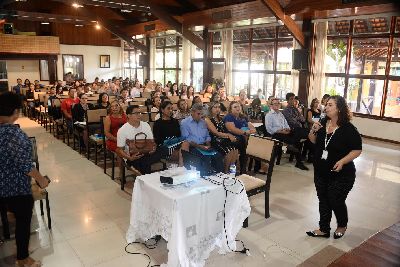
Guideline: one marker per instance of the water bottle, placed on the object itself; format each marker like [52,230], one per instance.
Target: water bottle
[232,170]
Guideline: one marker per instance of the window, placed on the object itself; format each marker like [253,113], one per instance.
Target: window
[254,54]
[132,69]
[365,81]
[168,59]
[73,64]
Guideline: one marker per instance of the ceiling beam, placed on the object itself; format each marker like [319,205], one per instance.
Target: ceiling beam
[174,24]
[121,5]
[44,17]
[288,22]
[114,30]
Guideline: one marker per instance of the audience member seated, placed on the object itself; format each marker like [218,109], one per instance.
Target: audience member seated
[113,90]
[183,110]
[260,94]
[221,139]
[208,91]
[66,106]
[136,90]
[30,100]
[79,115]
[324,100]
[18,88]
[167,128]
[174,90]
[294,118]
[243,100]
[124,97]
[217,98]
[27,82]
[313,115]
[237,124]
[222,93]
[198,141]
[278,127]
[255,113]
[112,123]
[183,91]
[190,92]
[137,129]
[53,111]
[103,101]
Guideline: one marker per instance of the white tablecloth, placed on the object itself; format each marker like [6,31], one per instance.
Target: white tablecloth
[190,217]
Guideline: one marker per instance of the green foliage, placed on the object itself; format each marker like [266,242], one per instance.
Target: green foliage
[337,51]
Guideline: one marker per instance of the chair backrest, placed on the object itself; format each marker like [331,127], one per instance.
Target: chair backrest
[138,103]
[261,148]
[146,95]
[93,115]
[139,99]
[174,99]
[35,157]
[56,102]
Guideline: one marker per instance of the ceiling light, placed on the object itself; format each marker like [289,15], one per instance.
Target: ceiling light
[76,5]
[97,26]
[126,11]
[52,18]
[45,23]
[78,25]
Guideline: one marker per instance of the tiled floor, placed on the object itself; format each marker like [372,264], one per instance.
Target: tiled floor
[91,214]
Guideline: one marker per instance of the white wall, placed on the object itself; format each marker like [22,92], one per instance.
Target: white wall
[377,128]
[24,69]
[91,60]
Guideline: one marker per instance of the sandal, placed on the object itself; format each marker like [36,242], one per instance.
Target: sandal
[28,262]
[314,234]
[338,234]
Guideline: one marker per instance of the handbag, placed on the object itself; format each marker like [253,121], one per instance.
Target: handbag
[142,146]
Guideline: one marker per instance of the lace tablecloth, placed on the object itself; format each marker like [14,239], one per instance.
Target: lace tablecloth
[190,217]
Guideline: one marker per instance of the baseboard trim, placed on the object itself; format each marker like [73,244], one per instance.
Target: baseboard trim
[381,139]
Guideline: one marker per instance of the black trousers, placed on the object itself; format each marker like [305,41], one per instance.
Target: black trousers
[144,163]
[22,207]
[241,145]
[332,193]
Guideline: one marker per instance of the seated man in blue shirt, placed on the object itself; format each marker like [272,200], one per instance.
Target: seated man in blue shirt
[198,141]
[278,127]
[17,88]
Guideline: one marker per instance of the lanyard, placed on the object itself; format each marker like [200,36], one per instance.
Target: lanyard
[326,136]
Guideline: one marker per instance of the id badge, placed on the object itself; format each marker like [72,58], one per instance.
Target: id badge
[324,154]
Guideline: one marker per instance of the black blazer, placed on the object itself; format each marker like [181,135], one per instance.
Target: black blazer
[78,113]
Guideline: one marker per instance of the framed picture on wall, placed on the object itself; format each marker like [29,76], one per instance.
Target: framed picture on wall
[104,61]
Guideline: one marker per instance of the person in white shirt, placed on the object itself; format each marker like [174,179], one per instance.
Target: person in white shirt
[277,126]
[128,131]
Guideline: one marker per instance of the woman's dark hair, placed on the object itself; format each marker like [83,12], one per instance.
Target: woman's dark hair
[289,95]
[313,103]
[164,104]
[179,103]
[187,90]
[344,114]
[256,102]
[213,97]
[100,100]
[241,115]
[9,102]
[195,98]
[81,94]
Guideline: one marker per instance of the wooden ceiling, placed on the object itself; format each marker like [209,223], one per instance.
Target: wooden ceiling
[127,18]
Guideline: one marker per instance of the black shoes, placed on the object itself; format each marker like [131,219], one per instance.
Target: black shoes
[301,166]
[337,235]
[313,234]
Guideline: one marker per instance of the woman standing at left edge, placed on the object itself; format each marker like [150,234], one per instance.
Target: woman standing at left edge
[337,144]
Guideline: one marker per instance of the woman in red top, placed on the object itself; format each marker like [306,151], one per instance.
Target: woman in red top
[112,123]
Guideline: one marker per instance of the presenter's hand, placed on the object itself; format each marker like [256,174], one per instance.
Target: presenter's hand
[316,126]
[338,166]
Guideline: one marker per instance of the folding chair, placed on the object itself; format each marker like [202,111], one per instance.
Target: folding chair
[93,118]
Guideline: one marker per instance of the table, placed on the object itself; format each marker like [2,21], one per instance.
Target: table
[189,216]
[257,124]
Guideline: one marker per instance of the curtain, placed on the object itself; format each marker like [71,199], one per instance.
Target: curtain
[227,53]
[187,51]
[153,59]
[295,73]
[317,77]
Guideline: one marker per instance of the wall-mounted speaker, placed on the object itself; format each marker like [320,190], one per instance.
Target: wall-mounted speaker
[300,59]
[8,28]
[143,60]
